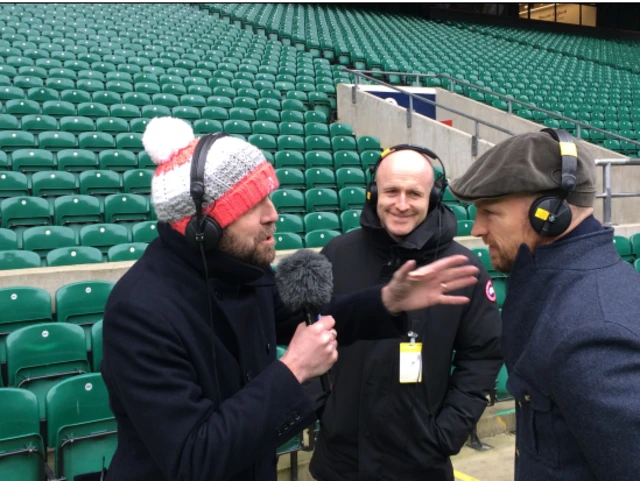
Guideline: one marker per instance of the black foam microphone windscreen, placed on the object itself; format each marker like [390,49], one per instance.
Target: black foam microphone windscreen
[305,282]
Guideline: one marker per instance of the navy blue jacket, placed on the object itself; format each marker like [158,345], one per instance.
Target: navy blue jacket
[160,372]
[571,342]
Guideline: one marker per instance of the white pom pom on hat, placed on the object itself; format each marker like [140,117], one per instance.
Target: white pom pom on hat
[164,136]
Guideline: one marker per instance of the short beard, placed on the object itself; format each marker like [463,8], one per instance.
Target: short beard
[255,253]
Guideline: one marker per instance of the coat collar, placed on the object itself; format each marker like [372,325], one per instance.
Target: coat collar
[222,267]
[433,235]
[589,246]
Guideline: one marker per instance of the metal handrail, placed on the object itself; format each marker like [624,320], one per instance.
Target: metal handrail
[607,195]
[477,121]
[508,99]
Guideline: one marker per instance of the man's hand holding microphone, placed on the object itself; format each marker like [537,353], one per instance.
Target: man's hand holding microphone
[305,282]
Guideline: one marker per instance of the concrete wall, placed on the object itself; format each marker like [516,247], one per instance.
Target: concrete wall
[372,116]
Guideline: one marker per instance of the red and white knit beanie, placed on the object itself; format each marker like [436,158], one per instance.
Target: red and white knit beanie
[236,174]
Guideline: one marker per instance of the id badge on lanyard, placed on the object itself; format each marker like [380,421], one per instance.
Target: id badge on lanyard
[411,360]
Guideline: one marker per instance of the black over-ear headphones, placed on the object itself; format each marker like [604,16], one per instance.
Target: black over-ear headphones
[550,215]
[439,184]
[202,230]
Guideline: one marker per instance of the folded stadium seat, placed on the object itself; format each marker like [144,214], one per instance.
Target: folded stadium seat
[58,108]
[11,140]
[315,116]
[291,142]
[265,127]
[206,126]
[20,427]
[144,231]
[290,223]
[290,178]
[13,184]
[340,128]
[151,111]
[147,87]
[459,211]
[241,127]
[215,113]
[12,92]
[290,158]
[138,181]
[139,99]
[288,201]
[343,142]
[268,93]
[242,113]
[75,124]
[138,125]
[247,93]
[194,100]
[288,241]
[11,122]
[103,236]
[368,158]
[129,141]
[49,185]
[264,142]
[168,100]
[8,239]
[321,221]
[322,199]
[367,143]
[298,95]
[80,425]
[344,158]
[24,211]
[43,239]
[320,177]
[350,177]
[21,107]
[320,238]
[117,160]
[57,140]
[33,160]
[623,247]
[67,256]
[21,83]
[75,96]
[268,115]
[464,227]
[125,111]
[112,125]
[41,355]
[126,208]
[126,252]
[316,128]
[75,160]
[291,128]
[5,161]
[96,141]
[77,210]
[93,110]
[350,219]
[269,103]
[90,85]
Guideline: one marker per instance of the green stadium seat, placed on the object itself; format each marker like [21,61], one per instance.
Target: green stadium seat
[40,356]
[290,223]
[76,124]
[340,128]
[291,142]
[96,141]
[291,116]
[77,209]
[321,221]
[288,201]
[207,126]
[18,259]
[485,258]
[242,113]
[66,256]
[635,244]
[138,181]
[344,158]
[129,141]
[11,122]
[126,208]
[623,246]
[289,159]
[320,177]
[350,219]
[8,240]
[343,142]
[42,94]
[58,108]
[349,177]
[151,111]
[117,160]
[292,128]
[290,178]
[314,116]
[24,211]
[265,127]
[144,231]
[126,252]
[9,92]
[321,199]
[288,241]
[242,127]
[318,142]
[92,110]
[43,239]
[103,236]
[105,98]
[464,227]
[11,140]
[500,288]
[75,96]
[13,184]
[74,160]
[636,264]
[316,128]
[38,123]
[366,143]
[351,198]
[320,238]
[459,211]
[20,427]
[55,141]
[268,115]
[80,425]
[96,346]
[110,124]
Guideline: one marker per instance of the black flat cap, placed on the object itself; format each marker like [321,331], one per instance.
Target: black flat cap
[526,163]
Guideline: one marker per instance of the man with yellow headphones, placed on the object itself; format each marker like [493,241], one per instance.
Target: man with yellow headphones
[571,335]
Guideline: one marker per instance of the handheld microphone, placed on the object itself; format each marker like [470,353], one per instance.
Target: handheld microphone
[305,282]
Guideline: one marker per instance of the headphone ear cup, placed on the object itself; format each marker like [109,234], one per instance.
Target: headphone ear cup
[211,233]
[372,194]
[541,211]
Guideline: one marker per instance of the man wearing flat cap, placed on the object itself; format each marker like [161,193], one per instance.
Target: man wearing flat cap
[571,320]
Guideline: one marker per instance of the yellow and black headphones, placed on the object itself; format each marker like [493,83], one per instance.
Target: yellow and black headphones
[202,231]
[439,185]
[550,215]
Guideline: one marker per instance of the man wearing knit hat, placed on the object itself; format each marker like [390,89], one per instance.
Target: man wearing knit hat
[571,329]
[190,331]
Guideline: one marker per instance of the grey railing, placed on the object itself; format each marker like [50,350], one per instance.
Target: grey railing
[510,100]
[477,122]
[607,196]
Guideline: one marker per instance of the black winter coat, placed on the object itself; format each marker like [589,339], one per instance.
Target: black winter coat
[183,414]
[373,427]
